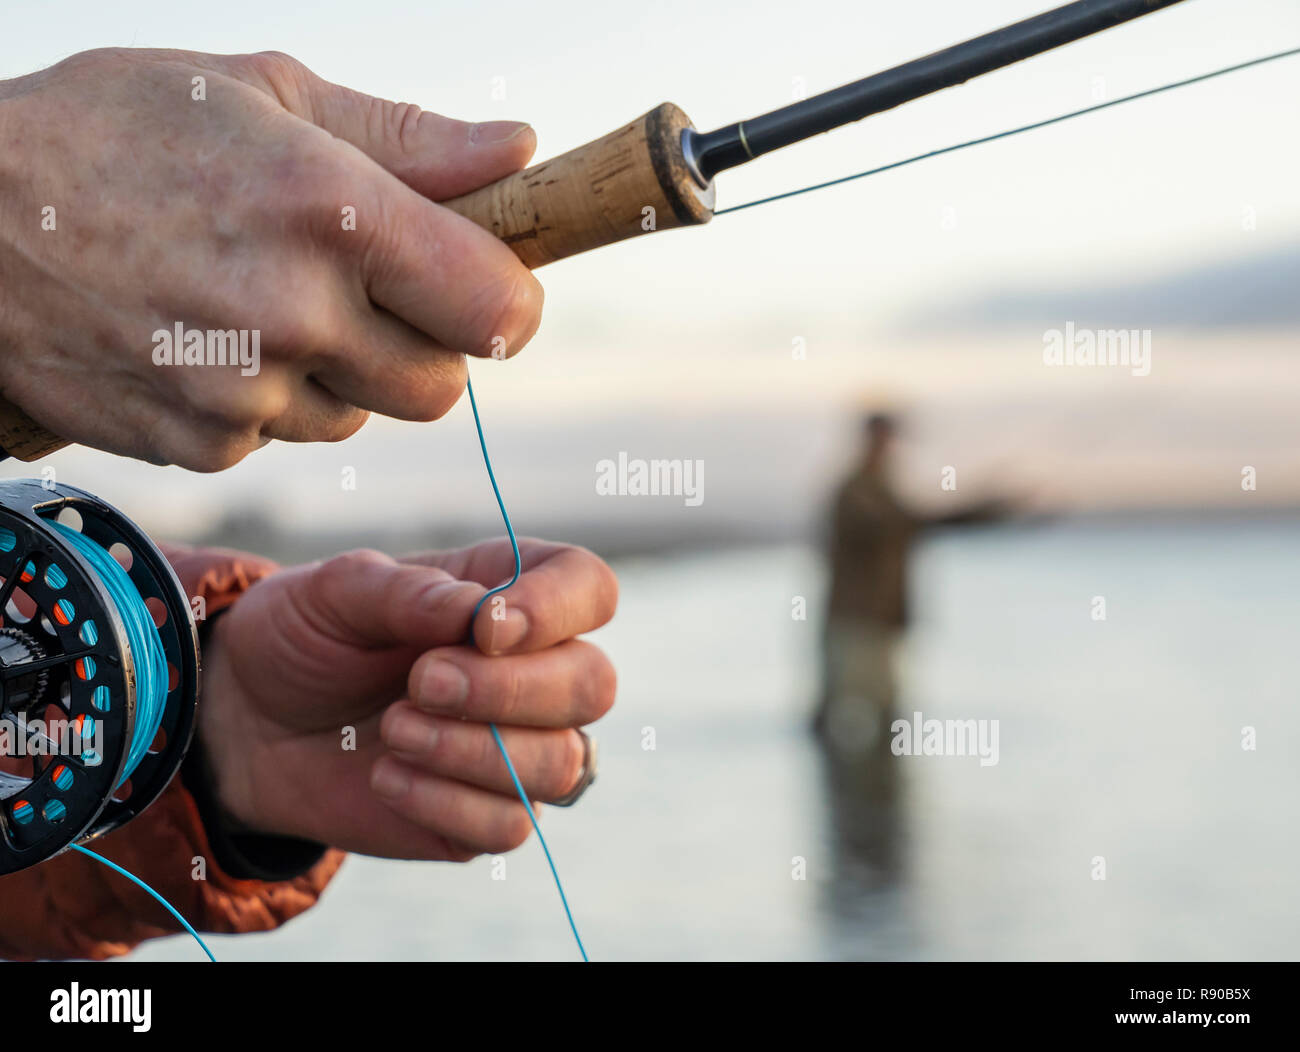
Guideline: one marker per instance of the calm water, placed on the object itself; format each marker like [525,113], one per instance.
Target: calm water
[1119,738]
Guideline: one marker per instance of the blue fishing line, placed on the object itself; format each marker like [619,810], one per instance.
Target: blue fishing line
[150,685]
[136,880]
[143,638]
[496,736]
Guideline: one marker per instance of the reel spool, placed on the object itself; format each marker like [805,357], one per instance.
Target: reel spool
[82,646]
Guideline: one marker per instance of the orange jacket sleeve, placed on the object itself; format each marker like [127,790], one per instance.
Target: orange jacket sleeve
[74,906]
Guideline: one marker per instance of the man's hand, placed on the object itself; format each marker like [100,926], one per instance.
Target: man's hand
[378,645]
[231,212]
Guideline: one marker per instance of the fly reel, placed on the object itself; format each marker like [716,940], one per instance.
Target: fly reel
[99,671]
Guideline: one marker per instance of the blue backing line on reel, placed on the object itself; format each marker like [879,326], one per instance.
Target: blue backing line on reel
[496,736]
[151,680]
[143,638]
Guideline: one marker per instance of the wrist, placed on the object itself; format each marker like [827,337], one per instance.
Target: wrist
[244,839]
[237,851]
[222,735]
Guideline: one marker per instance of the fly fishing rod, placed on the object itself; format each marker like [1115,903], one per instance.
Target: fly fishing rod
[657,172]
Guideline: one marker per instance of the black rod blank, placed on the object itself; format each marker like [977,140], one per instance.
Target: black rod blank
[734,145]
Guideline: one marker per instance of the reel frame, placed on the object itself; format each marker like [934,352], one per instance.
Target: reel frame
[90,673]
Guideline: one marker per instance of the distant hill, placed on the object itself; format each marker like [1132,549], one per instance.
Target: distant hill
[1260,291]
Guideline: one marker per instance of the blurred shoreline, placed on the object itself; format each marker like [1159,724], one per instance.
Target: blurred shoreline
[252,530]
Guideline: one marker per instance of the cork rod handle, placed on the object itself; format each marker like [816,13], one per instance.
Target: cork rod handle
[631,182]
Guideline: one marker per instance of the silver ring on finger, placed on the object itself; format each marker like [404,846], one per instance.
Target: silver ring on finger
[585,777]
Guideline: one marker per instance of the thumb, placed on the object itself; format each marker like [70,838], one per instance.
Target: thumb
[434,155]
[368,598]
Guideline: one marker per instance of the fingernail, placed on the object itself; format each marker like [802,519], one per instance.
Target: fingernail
[494,132]
[442,686]
[390,779]
[507,632]
[410,732]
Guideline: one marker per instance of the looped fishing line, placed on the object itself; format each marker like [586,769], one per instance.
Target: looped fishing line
[496,736]
[151,683]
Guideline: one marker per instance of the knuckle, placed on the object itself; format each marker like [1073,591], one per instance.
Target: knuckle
[603,685]
[387,722]
[504,316]
[511,830]
[357,559]
[484,755]
[443,599]
[507,694]
[343,424]
[453,812]
[416,675]
[606,589]
[395,122]
[299,336]
[305,333]
[520,827]
[212,455]
[439,389]
[94,57]
[278,67]
[245,407]
[98,59]
[317,414]
[376,243]
[312,185]
[344,567]
[289,80]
